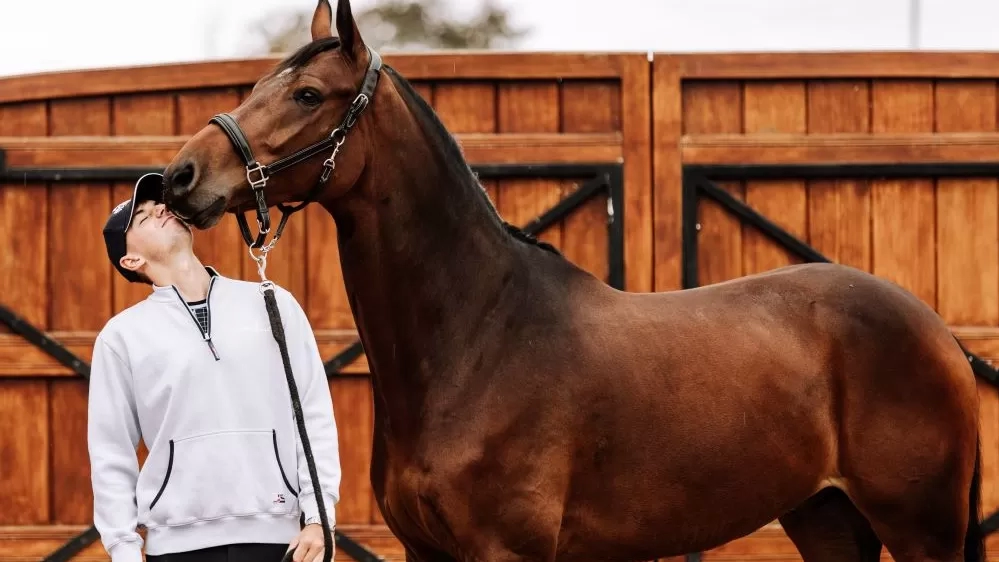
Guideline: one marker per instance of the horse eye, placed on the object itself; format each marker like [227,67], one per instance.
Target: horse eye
[308,97]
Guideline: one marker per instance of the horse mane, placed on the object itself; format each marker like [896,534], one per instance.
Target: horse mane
[454,157]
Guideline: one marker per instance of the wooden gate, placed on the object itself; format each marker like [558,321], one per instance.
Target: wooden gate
[885,162]
[555,133]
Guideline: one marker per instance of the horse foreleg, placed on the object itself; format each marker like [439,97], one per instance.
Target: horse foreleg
[828,528]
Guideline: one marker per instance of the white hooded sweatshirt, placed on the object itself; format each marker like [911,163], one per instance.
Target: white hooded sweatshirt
[225,461]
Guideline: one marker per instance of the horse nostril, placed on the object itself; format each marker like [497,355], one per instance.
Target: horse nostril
[181,179]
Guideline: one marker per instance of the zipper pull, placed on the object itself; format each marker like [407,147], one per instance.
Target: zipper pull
[211,346]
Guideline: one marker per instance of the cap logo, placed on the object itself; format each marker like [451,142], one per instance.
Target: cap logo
[119,207]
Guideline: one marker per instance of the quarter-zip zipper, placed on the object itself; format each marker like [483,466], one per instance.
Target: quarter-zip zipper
[206,335]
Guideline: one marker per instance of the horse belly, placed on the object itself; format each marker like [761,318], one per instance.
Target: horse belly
[703,461]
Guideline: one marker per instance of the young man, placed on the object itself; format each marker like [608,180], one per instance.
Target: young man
[195,372]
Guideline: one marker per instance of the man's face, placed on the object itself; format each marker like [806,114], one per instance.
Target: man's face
[154,235]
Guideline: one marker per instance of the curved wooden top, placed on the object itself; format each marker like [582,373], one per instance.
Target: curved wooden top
[481,64]
[457,64]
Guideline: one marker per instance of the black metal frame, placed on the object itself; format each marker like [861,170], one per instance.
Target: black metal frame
[602,178]
[698,181]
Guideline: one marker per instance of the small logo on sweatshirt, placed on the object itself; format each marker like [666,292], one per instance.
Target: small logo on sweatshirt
[278,498]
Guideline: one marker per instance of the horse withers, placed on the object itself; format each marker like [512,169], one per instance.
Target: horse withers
[525,410]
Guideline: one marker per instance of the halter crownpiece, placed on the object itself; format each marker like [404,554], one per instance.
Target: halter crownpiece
[257,174]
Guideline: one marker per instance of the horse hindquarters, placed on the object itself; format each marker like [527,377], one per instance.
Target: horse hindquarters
[908,450]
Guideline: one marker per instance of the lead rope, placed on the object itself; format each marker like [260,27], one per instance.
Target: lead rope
[267,290]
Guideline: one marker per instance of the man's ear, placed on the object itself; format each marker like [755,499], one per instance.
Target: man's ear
[132,262]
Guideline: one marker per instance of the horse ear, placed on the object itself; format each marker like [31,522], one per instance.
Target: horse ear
[322,21]
[346,28]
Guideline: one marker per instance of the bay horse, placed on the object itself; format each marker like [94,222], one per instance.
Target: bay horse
[526,410]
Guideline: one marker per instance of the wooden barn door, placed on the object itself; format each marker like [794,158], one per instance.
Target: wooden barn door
[561,138]
[885,163]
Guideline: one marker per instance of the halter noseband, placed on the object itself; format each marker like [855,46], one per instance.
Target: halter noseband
[257,174]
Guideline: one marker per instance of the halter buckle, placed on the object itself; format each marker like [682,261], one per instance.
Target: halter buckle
[259,168]
[358,105]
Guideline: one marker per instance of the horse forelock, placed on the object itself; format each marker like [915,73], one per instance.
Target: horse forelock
[306,53]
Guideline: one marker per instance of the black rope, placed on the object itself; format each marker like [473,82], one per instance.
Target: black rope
[278,330]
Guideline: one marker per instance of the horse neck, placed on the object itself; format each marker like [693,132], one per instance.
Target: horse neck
[424,260]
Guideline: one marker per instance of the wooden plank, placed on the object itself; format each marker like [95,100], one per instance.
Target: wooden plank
[903,212]
[967,251]
[24,476]
[24,212]
[231,73]
[19,358]
[841,148]
[488,148]
[79,301]
[839,211]
[668,104]
[142,114]
[590,106]
[636,115]
[354,412]
[325,301]
[466,106]
[715,107]
[756,65]
[774,107]
[326,296]
[497,64]
[222,246]
[967,229]
[528,108]
[72,496]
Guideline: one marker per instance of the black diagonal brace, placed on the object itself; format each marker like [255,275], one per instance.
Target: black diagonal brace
[566,205]
[21,326]
[346,356]
[74,546]
[354,549]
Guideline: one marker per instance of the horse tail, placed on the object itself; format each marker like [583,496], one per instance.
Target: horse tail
[974,538]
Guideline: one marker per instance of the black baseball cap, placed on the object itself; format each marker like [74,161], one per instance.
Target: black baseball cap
[148,188]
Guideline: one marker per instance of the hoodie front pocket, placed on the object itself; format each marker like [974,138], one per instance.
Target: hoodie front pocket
[222,474]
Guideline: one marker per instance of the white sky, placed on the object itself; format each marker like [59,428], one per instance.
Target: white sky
[46,35]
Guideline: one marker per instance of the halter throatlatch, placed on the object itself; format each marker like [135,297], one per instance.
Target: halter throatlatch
[257,175]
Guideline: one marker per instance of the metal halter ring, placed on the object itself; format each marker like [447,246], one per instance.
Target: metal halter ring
[262,170]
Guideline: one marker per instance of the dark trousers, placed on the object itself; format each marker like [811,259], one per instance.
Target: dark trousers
[227,553]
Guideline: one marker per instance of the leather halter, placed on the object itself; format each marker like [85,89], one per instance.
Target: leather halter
[257,174]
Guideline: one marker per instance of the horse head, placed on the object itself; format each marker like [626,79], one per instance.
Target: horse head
[283,142]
